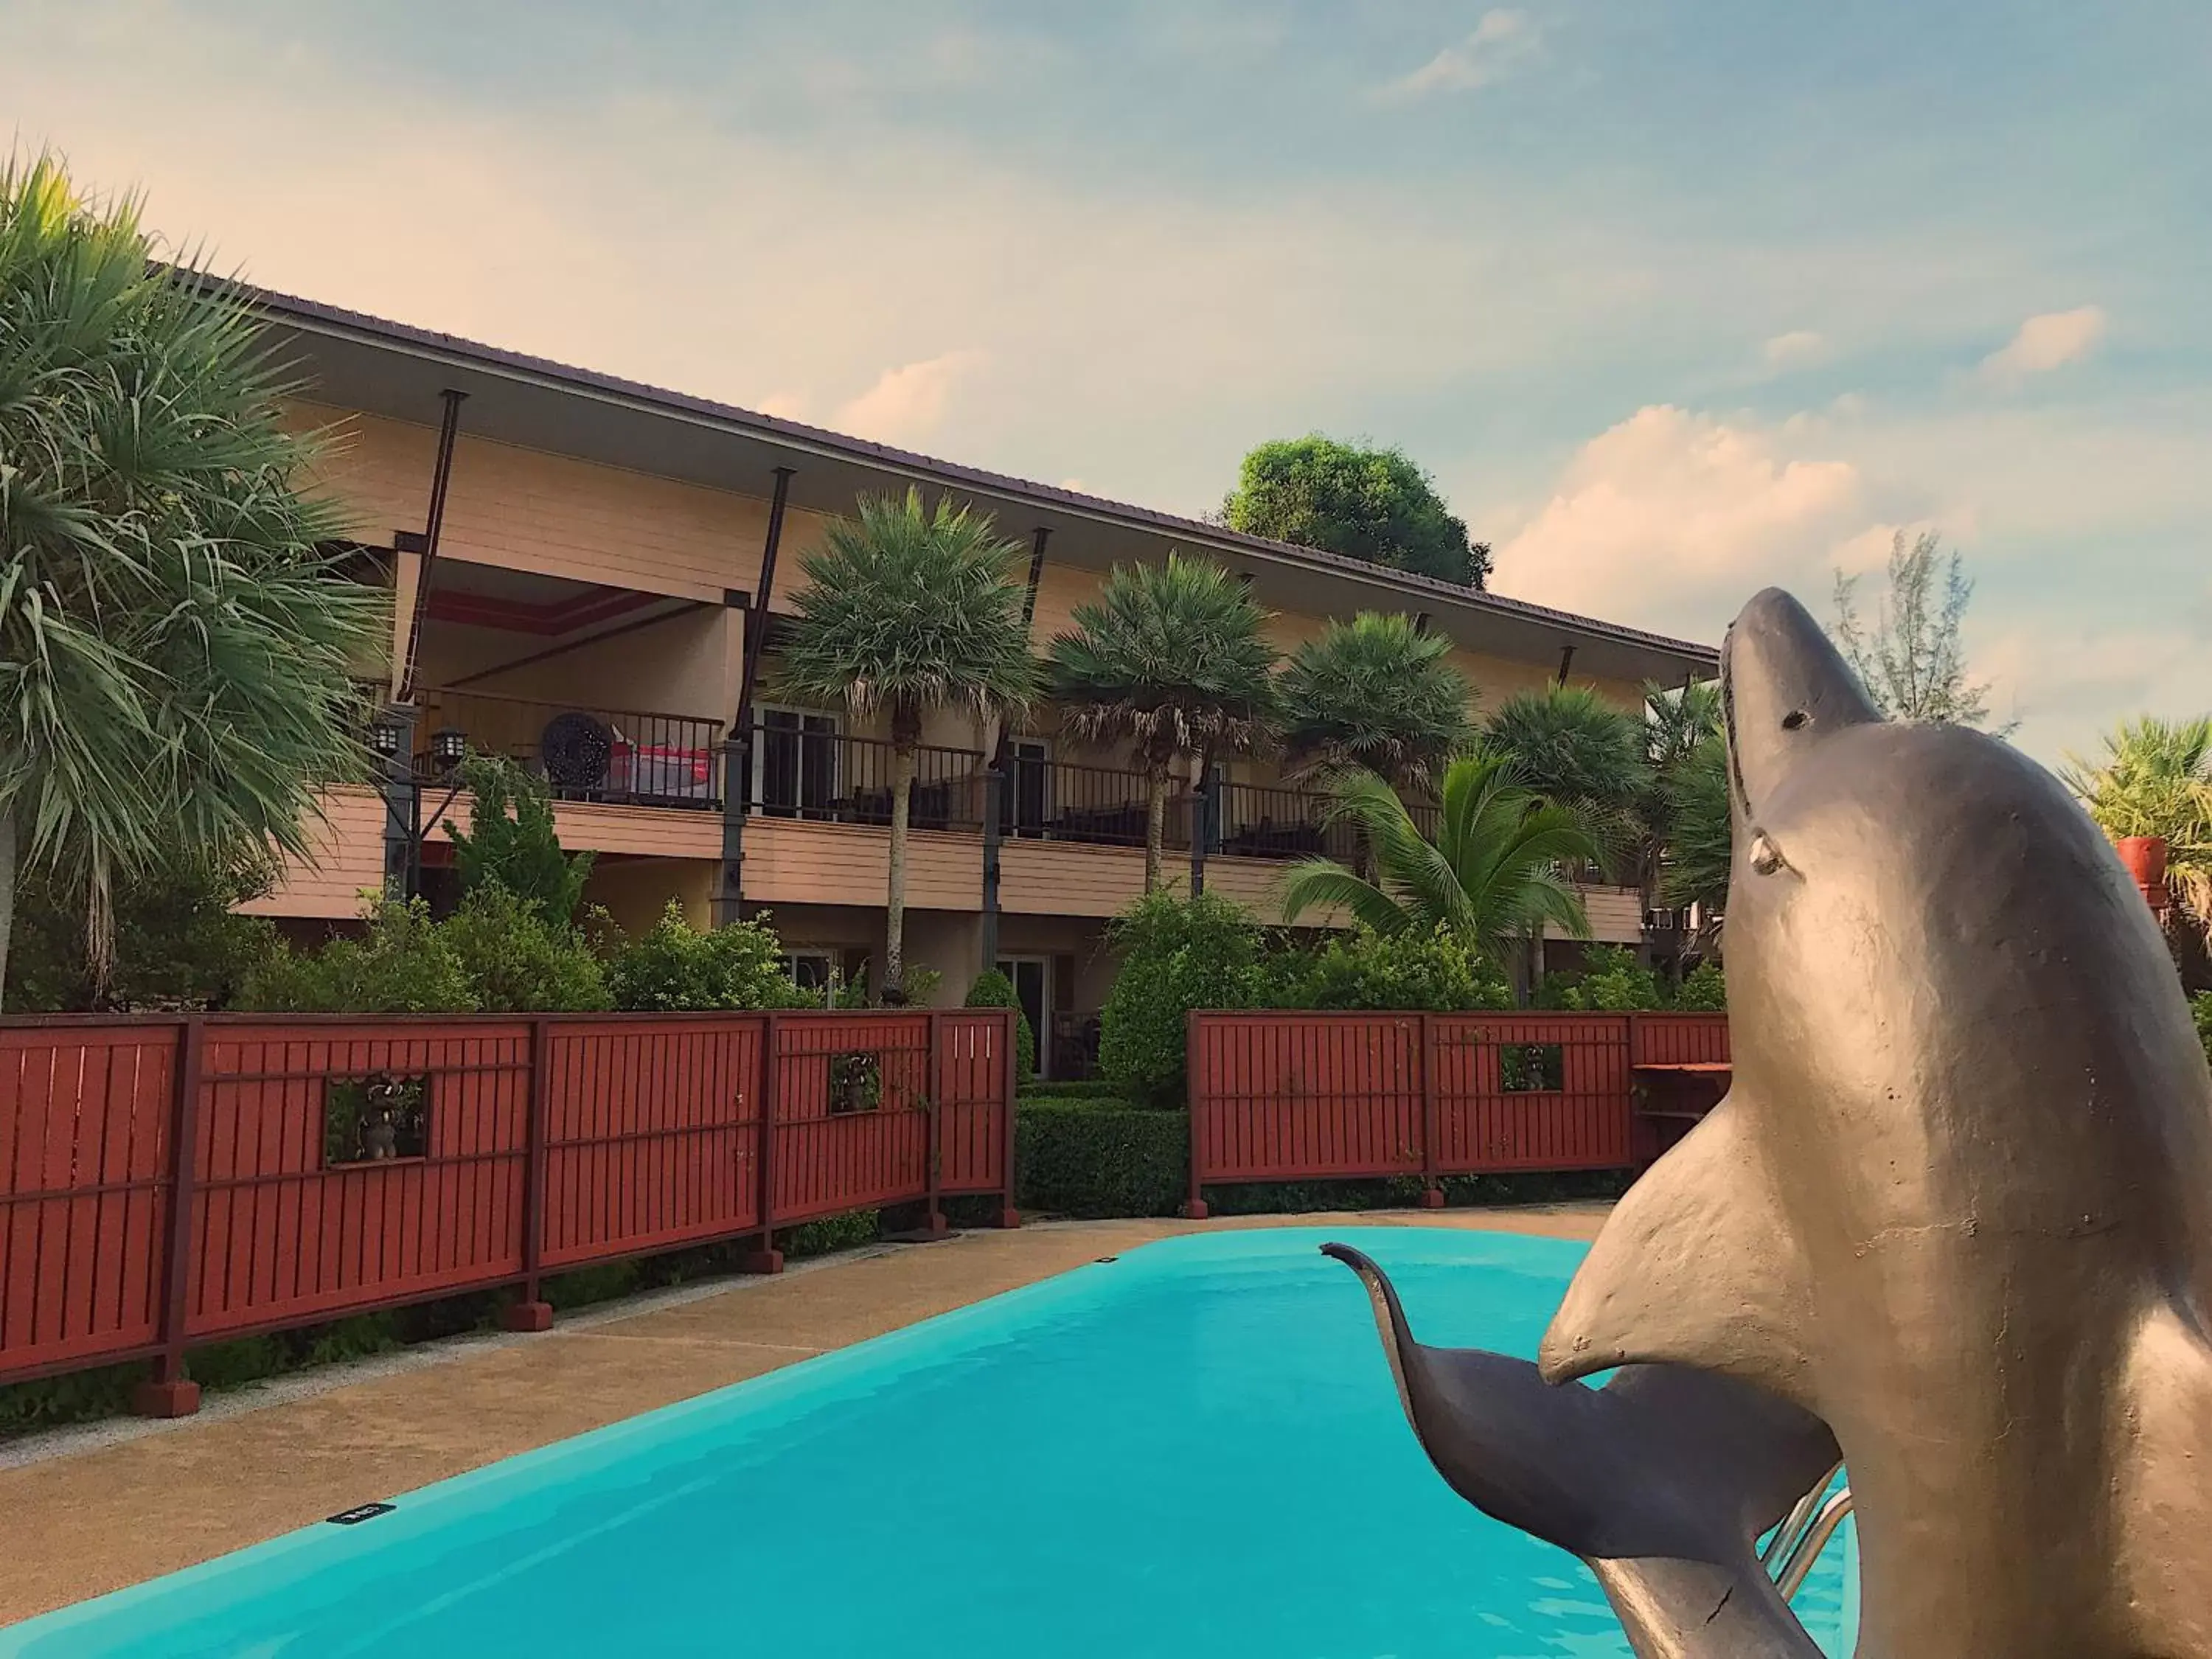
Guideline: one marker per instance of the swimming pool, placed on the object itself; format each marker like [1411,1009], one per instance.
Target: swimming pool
[1193,1450]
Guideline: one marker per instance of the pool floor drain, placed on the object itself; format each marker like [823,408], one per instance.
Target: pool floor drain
[359,1513]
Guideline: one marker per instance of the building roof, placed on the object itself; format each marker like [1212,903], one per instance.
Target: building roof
[330,339]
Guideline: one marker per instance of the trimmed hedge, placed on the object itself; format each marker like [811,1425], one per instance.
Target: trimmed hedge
[1096,1157]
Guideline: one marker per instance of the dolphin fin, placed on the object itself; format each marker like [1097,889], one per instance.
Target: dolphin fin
[1661,1481]
[1696,1265]
[2164,1466]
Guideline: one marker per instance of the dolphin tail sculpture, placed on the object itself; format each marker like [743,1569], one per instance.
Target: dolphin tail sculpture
[1662,1481]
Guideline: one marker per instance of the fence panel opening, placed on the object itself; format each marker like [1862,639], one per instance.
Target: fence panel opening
[375,1119]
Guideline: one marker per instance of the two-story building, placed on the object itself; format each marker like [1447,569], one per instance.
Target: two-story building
[577,560]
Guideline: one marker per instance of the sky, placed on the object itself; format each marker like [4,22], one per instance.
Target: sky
[1674,300]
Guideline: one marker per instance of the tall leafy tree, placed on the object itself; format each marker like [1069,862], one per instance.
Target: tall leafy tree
[1574,749]
[1911,657]
[1171,659]
[1494,877]
[1372,504]
[905,608]
[1375,692]
[2155,778]
[176,637]
[511,841]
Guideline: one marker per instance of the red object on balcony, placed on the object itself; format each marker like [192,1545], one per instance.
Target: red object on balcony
[667,771]
[2145,857]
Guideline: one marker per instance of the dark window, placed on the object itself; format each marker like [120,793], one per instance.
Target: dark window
[797,768]
[1530,1068]
[856,1081]
[371,1120]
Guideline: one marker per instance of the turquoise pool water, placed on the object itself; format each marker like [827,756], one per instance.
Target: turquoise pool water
[1193,1449]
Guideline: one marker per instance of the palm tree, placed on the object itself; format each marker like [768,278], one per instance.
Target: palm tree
[906,610]
[176,635]
[1685,814]
[2155,779]
[1576,750]
[1492,876]
[1171,659]
[1375,692]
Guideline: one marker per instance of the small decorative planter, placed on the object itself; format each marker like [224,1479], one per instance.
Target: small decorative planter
[2145,858]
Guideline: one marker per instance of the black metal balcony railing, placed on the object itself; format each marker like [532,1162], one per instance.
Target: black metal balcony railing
[627,755]
[1052,800]
[827,777]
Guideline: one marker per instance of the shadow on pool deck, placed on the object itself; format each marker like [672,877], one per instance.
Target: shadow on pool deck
[91,1510]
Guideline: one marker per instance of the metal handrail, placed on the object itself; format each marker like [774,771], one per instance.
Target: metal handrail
[1805,1533]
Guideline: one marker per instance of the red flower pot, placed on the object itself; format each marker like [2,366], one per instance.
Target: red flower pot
[2145,858]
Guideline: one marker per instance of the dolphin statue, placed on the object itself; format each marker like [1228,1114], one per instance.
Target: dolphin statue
[1957,1204]
[1662,1480]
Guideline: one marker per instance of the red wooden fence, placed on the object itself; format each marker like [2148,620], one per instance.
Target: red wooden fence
[169,1181]
[1304,1096]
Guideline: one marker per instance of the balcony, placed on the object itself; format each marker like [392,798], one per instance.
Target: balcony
[820,775]
[619,756]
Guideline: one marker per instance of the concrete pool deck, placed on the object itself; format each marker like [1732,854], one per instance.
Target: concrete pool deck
[89,1509]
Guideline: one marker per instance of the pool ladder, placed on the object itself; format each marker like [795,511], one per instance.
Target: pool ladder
[1804,1532]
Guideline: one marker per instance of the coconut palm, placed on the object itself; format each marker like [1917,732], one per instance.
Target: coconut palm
[1170,659]
[1574,749]
[2155,779]
[1375,692]
[1494,875]
[907,609]
[1685,812]
[176,637]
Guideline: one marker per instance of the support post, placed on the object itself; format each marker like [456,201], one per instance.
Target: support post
[169,1392]
[1432,1191]
[934,1221]
[1010,1044]
[1194,1206]
[994,796]
[403,805]
[532,1312]
[434,523]
[766,1258]
[738,780]
[1201,826]
[1036,571]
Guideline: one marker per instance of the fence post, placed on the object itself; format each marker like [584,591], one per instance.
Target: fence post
[1010,1045]
[532,1312]
[169,1392]
[1432,1191]
[933,1219]
[766,1259]
[1194,1208]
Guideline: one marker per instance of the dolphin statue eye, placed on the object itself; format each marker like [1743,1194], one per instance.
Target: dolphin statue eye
[1766,856]
[1793,718]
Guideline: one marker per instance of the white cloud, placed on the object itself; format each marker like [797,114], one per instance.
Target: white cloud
[2044,342]
[1675,519]
[909,403]
[1500,39]
[785,405]
[1800,347]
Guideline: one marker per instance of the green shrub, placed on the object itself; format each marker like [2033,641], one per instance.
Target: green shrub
[1611,982]
[836,1233]
[1704,990]
[177,943]
[402,964]
[518,960]
[1100,1157]
[994,990]
[1366,970]
[675,966]
[2201,1006]
[1087,1088]
[1178,954]
[510,843]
